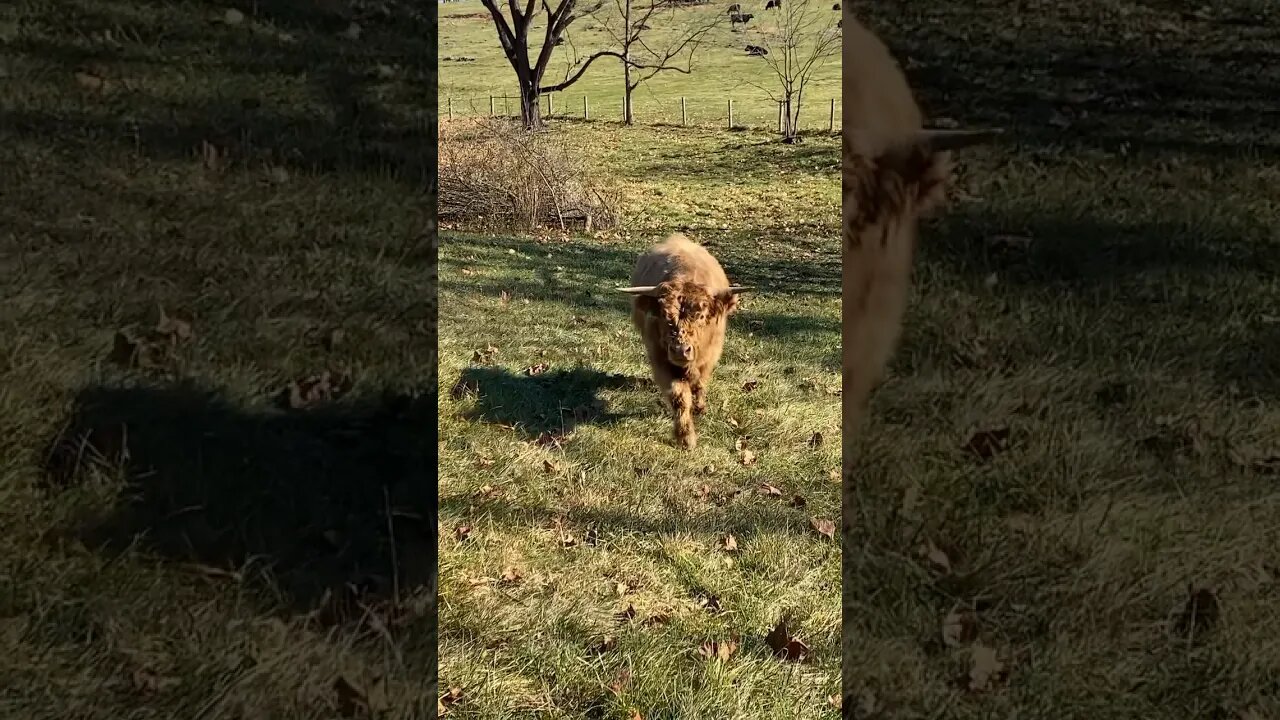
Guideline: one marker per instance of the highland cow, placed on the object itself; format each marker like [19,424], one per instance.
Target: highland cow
[893,172]
[681,302]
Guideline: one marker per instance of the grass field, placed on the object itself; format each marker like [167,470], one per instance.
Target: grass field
[554,430]
[245,198]
[1083,418]
[473,68]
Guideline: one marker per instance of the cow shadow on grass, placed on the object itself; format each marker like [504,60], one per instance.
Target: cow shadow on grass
[331,510]
[556,401]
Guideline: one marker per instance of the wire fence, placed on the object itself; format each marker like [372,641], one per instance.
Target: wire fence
[704,111]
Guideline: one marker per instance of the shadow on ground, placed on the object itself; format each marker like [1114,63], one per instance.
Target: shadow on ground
[333,509]
[552,402]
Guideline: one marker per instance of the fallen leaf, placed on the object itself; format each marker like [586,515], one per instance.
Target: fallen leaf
[550,440]
[620,681]
[748,458]
[815,441]
[174,328]
[90,81]
[567,540]
[484,462]
[462,533]
[621,589]
[635,715]
[960,626]
[750,385]
[798,501]
[985,669]
[607,643]
[710,603]
[709,470]
[825,528]
[836,701]
[740,443]
[548,467]
[729,543]
[314,390]
[1199,614]
[448,700]
[593,537]
[484,356]
[986,443]
[717,649]
[536,370]
[487,491]
[769,490]
[785,645]
[511,574]
[937,558]
[702,492]
[658,618]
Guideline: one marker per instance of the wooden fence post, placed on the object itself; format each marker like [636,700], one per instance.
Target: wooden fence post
[684,115]
[490,106]
[551,105]
[831,121]
[779,116]
[586,112]
[730,113]
[450,107]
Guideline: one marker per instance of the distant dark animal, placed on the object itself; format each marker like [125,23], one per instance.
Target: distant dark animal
[771,4]
[734,9]
[836,7]
[742,18]
[840,23]
[757,51]
[681,303]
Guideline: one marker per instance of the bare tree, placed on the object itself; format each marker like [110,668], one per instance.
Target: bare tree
[642,59]
[514,36]
[806,37]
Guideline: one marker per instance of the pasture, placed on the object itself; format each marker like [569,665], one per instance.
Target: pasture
[201,212]
[588,567]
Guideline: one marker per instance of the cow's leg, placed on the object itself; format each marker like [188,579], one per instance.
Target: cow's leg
[681,397]
[698,391]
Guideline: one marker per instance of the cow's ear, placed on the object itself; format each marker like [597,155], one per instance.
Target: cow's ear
[924,162]
[726,302]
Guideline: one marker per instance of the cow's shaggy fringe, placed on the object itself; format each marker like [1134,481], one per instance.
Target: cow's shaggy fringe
[495,174]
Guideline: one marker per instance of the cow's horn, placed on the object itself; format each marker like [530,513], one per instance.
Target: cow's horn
[940,140]
[639,289]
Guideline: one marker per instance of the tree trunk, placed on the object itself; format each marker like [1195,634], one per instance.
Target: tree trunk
[627,118]
[530,105]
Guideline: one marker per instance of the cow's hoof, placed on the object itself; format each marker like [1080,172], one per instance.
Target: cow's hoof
[687,441]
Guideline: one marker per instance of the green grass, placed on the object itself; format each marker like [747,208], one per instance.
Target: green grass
[721,71]
[1125,338]
[168,530]
[530,648]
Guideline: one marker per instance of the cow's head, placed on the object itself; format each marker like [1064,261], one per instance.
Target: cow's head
[688,312]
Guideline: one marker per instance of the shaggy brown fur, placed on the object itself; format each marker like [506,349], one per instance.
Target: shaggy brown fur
[681,303]
[892,173]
